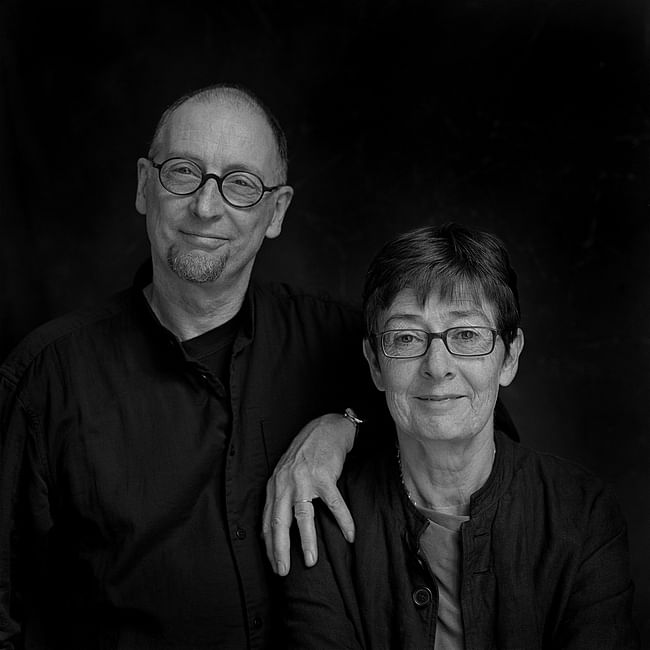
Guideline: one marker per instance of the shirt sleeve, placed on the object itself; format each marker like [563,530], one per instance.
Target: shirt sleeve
[320,609]
[24,505]
[598,614]
[14,426]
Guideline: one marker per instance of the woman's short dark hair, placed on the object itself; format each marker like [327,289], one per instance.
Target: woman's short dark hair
[455,261]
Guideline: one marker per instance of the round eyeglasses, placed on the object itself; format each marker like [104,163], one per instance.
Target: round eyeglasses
[459,341]
[238,188]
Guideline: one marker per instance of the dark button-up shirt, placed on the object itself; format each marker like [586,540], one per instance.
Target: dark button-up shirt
[130,498]
[544,563]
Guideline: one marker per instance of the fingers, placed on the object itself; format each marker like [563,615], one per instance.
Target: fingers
[307,470]
[275,528]
[278,514]
[332,497]
[303,511]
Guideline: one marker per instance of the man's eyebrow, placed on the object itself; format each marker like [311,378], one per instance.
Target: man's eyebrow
[228,168]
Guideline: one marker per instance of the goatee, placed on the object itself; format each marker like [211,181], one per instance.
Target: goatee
[196,267]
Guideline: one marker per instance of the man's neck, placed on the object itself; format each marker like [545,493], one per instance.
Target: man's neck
[189,310]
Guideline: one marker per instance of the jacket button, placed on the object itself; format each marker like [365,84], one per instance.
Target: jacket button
[422,597]
[257,622]
[240,533]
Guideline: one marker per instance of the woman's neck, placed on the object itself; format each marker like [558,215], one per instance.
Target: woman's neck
[443,475]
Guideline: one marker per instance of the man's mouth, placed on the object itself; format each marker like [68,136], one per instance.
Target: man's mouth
[438,398]
[203,239]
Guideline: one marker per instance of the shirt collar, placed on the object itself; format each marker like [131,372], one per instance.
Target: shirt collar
[144,276]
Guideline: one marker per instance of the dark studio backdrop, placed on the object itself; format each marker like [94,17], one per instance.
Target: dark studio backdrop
[527,118]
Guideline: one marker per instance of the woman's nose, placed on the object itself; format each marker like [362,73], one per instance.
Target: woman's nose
[438,362]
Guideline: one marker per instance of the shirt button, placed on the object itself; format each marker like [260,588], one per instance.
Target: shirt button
[257,622]
[422,597]
[240,533]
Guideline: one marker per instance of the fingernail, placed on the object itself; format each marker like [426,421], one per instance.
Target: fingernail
[282,570]
[309,558]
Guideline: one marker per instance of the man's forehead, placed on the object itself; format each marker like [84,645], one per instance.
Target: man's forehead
[220,126]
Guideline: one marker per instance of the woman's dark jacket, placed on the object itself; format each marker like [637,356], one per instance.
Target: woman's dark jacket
[544,563]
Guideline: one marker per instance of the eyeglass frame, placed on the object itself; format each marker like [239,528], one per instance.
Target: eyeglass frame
[205,177]
[438,335]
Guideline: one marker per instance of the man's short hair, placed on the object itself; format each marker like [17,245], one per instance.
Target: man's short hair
[456,262]
[235,93]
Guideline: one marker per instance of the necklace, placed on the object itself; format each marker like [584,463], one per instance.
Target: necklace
[430,506]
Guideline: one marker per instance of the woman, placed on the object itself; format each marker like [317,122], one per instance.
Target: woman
[465,539]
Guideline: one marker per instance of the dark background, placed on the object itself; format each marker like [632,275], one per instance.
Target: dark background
[527,118]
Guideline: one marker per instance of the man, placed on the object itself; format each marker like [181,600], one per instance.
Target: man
[137,437]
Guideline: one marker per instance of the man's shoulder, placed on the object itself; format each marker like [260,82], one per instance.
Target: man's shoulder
[69,330]
[283,301]
[283,294]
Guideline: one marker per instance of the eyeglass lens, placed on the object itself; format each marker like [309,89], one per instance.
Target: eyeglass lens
[463,341]
[184,177]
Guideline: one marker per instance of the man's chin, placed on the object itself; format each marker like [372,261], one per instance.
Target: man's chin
[196,267]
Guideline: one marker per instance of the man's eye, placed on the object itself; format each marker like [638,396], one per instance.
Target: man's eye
[241,181]
[466,335]
[183,170]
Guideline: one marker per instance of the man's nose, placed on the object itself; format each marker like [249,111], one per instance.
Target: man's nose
[208,202]
[438,362]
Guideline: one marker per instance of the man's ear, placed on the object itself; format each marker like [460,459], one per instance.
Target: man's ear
[373,364]
[511,361]
[141,193]
[283,196]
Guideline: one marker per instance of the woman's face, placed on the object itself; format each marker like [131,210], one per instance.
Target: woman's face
[441,396]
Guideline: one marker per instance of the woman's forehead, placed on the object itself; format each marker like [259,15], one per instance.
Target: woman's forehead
[460,302]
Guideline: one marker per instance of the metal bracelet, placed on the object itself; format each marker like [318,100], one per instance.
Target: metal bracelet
[353,417]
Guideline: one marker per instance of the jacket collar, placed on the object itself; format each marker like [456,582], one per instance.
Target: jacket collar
[481,501]
[500,476]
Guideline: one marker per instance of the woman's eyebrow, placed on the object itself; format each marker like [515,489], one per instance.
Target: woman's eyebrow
[465,313]
[393,317]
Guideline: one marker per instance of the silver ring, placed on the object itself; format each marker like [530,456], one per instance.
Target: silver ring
[302,501]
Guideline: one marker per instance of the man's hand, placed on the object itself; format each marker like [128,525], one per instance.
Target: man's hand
[308,470]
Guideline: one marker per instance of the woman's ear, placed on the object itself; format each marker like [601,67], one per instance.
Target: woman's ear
[511,361]
[373,364]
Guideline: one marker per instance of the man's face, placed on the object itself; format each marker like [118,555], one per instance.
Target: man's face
[200,238]
[440,396]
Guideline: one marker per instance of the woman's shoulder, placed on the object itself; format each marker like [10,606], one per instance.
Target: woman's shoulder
[565,485]
[552,467]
